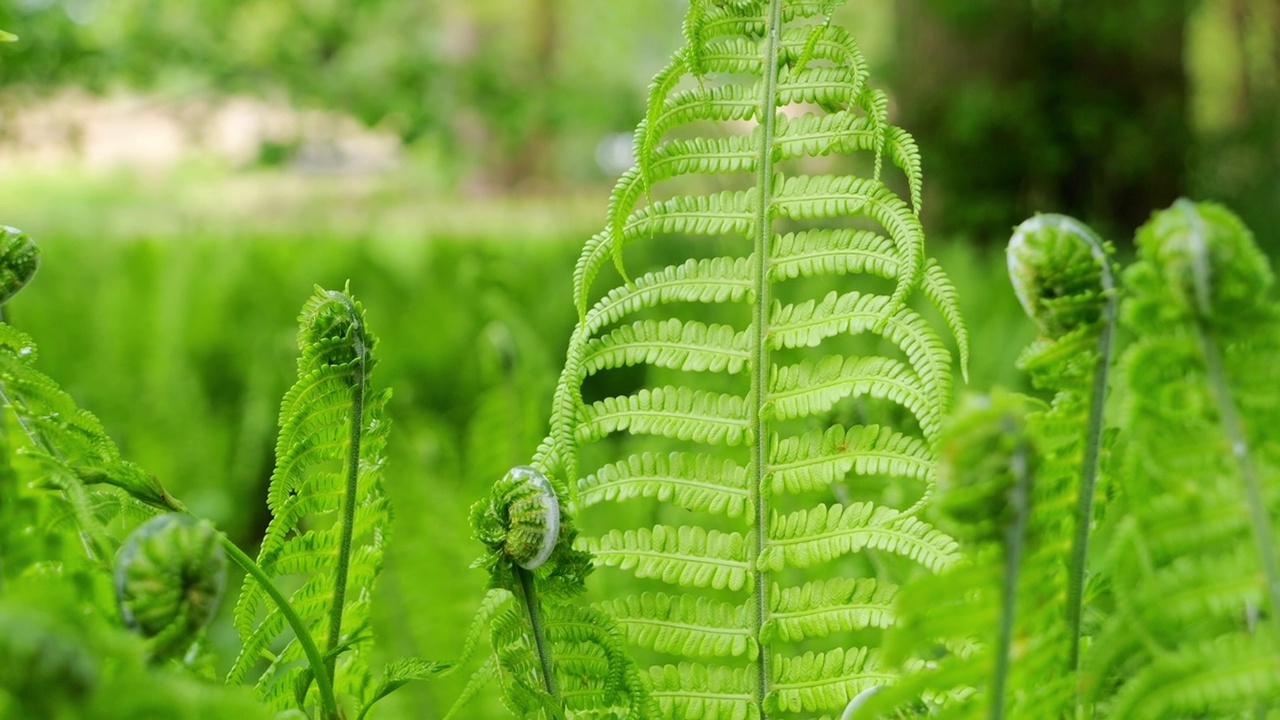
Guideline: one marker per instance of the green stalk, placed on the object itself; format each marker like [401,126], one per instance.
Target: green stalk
[1092,457]
[1015,534]
[1244,463]
[1227,409]
[760,370]
[529,593]
[353,481]
[324,684]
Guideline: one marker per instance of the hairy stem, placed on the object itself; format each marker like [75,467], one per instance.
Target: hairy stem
[1015,534]
[1244,463]
[529,593]
[1092,458]
[353,480]
[324,682]
[760,371]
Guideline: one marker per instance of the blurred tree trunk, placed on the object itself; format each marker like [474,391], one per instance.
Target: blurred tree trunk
[1045,105]
[531,166]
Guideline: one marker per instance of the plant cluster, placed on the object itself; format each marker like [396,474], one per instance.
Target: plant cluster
[799,526]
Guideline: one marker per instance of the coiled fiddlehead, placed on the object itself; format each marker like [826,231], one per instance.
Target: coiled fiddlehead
[169,578]
[19,260]
[521,518]
[557,658]
[1062,273]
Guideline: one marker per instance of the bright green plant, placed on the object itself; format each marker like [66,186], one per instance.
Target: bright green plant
[168,574]
[1191,554]
[742,436]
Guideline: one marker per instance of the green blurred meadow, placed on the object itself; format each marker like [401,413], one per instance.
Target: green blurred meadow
[167,297]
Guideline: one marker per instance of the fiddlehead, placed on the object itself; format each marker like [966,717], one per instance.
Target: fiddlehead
[555,656]
[329,459]
[169,578]
[1191,561]
[733,422]
[19,260]
[1061,271]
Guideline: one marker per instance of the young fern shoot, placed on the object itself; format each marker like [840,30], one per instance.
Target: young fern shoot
[1061,272]
[1191,560]
[557,659]
[741,436]
[330,516]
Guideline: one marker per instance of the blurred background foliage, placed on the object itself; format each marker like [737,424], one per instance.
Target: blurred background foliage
[191,169]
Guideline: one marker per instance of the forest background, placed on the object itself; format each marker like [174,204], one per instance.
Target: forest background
[192,169]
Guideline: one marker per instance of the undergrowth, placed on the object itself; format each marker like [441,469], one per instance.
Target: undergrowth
[751,498]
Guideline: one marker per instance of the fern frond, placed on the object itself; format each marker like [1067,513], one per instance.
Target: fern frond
[735,419]
[694,690]
[681,413]
[330,516]
[686,556]
[808,537]
[1193,562]
[828,607]
[689,346]
[695,482]
[819,458]
[817,681]
[684,625]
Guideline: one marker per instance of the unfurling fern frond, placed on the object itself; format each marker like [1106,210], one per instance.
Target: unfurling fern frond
[169,579]
[555,657]
[1192,557]
[967,637]
[77,467]
[752,418]
[329,515]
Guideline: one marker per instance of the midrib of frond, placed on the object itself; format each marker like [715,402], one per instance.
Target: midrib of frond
[760,313]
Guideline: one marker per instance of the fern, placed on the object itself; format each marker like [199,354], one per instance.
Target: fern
[69,450]
[329,515]
[1192,560]
[555,657]
[735,415]
[1018,581]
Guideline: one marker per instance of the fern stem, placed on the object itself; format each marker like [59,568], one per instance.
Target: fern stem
[353,482]
[529,591]
[1244,463]
[324,683]
[1015,534]
[760,370]
[1092,457]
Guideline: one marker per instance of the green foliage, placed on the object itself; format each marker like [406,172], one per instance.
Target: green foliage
[329,513]
[733,421]
[553,655]
[1191,559]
